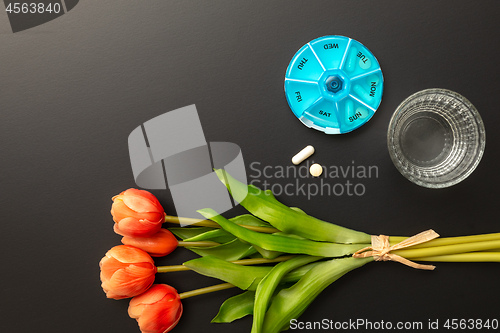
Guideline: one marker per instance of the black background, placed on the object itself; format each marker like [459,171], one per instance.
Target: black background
[74,88]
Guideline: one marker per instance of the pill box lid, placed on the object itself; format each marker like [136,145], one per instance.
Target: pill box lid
[334,84]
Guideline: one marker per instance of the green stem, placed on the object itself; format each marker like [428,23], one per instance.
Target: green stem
[254,261]
[465,257]
[207,223]
[447,249]
[172,268]
[449,240]
[206,290]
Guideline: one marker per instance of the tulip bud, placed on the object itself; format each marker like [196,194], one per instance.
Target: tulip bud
[137,213]
[158,310]
[126,271]
[158,245]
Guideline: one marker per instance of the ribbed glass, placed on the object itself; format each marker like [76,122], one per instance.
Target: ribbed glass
[436,138]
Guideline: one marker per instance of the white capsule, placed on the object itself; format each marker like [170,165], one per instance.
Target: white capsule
[316,170]
[303,154]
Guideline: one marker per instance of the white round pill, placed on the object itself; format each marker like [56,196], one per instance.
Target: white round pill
[303,154]
[316,170]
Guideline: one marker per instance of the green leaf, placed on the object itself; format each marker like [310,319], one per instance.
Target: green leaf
[298,273]
[263,205]
[185,233]
[298,210]
[291,303]
[196,234]
[217,235]
[248,219]
[243,277]
[266,253]
[239,306]
[284,234]
[268,285]
[274,242]
[230,251]
[235,307]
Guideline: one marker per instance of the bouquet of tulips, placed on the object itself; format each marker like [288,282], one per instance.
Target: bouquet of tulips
[280,257]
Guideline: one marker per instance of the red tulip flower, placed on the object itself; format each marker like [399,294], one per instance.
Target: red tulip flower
[137,213]
[126,271]
[158,310]
[158,245]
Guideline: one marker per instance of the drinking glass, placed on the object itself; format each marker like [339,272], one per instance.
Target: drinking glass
[436,138]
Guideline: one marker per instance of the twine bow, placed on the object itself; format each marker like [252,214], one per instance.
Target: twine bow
[381,248]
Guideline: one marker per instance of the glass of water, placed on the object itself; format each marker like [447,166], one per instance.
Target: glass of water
[436,138]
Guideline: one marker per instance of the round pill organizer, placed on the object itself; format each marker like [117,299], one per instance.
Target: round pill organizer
[334,84]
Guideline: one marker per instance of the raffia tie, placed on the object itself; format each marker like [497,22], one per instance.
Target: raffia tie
[381,248]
